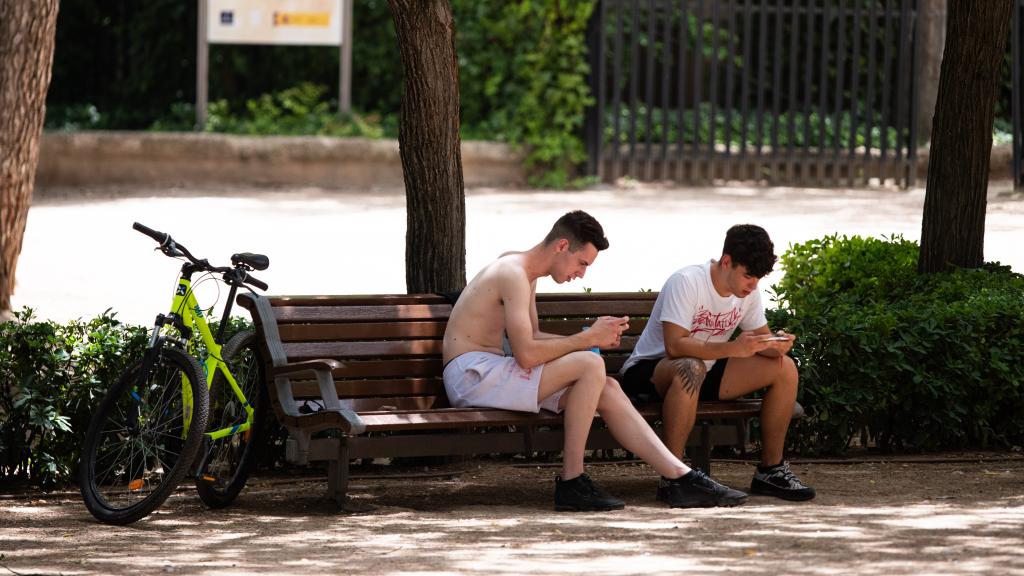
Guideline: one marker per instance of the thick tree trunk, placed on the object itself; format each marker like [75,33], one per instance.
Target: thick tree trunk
[27,30]
[953,227]
[435,242]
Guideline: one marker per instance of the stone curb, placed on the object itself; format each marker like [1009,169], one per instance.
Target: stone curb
[99,158]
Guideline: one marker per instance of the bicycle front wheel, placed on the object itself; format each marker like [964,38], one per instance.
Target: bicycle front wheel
[143,438]
[230,459]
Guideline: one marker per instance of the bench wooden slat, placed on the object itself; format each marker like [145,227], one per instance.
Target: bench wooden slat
[387,313]
[570,327]
[595,296]
[361,331]
[381,349]
[389,368]
[385,420]
[429,386]
[594,309]
[356,300]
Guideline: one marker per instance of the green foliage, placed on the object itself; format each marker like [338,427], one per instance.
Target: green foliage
[898,359]
[706,124]
[293,111]
[523,78]
[51,377]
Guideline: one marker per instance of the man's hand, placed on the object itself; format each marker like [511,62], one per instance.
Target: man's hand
[606,332]
[780,341]
[748,343]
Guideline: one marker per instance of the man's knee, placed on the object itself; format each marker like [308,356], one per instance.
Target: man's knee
[788,371]
[688,374]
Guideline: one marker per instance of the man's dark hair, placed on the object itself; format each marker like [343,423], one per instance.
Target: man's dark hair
[578,228]
[750,246]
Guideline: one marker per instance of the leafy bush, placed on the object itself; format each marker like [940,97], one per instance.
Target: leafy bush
[51,377]
[898,359]
[298,110]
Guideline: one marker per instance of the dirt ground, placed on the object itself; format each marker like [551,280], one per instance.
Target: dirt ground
[938,514]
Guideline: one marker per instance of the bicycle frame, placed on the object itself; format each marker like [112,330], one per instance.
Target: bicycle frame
[187,316]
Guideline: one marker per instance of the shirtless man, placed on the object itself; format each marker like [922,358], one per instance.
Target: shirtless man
[558,373]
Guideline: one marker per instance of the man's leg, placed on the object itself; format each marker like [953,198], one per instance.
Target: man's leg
[678,382]
[585,372]
[779,378]
[680,487]
[633,432]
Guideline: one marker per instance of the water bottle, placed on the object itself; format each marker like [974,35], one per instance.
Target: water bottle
[595,349]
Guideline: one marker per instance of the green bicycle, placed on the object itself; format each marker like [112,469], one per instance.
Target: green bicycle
[168,414]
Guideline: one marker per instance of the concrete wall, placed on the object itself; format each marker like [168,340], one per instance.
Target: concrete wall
[153,158]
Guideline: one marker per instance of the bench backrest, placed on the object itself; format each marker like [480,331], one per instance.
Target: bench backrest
[391,344]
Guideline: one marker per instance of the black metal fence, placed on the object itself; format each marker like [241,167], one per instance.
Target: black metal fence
[1017,106]
[811,92]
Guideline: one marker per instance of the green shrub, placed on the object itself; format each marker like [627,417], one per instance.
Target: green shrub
[898,359]
[51,377]
[298,110]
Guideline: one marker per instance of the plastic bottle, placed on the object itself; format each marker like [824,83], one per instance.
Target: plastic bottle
[595,349]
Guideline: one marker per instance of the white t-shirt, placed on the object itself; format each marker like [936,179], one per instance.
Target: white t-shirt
[689,300]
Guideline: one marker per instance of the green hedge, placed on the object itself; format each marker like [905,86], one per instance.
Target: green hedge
[51,377]
[900,360]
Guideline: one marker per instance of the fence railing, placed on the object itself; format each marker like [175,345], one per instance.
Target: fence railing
[810,92]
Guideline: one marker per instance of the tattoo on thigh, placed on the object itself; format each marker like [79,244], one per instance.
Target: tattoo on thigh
[691,374]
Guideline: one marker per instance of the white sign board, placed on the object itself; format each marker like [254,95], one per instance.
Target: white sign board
[292,22]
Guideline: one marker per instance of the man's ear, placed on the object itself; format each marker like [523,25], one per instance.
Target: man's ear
[726,260]
[561,245]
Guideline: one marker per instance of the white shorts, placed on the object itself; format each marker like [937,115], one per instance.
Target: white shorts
[486,380]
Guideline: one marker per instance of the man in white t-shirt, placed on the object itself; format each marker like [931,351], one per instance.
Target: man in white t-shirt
[686,353]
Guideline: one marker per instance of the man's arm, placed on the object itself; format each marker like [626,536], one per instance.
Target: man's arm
[678,343]
[520,322]
[533,317]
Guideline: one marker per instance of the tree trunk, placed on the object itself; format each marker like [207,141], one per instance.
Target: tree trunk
[27,30]
[435,241]
[953,226]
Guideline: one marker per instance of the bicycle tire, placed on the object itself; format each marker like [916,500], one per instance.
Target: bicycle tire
[137,448]
[230,460]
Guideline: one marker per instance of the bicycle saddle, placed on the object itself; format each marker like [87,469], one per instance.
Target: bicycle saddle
[256,261]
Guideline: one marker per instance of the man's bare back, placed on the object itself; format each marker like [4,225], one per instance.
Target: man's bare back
[477,322]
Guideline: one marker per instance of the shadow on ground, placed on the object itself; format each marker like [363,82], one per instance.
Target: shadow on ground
[953,517]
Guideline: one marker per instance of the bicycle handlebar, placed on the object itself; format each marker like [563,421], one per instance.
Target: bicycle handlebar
[256,282]
[160,237]
[171,248]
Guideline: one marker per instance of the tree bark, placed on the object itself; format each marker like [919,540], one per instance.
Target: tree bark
[435,242]
[953,226]
[27,31]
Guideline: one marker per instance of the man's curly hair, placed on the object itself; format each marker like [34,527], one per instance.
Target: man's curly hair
[750,246]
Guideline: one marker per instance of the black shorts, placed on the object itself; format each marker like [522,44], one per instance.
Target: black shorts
[636,382]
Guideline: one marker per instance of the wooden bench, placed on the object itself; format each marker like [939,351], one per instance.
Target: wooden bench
[373,363]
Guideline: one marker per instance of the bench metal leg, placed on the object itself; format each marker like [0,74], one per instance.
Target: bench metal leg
[702,459]
[337,476]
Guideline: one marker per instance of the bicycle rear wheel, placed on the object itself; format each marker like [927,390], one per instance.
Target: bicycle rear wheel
[143,438]
[228,461]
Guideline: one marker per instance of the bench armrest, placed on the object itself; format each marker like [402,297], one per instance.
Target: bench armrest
[322,370]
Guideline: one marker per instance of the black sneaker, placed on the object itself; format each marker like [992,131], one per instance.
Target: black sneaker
[698,490]
[779,481]
[581,495]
